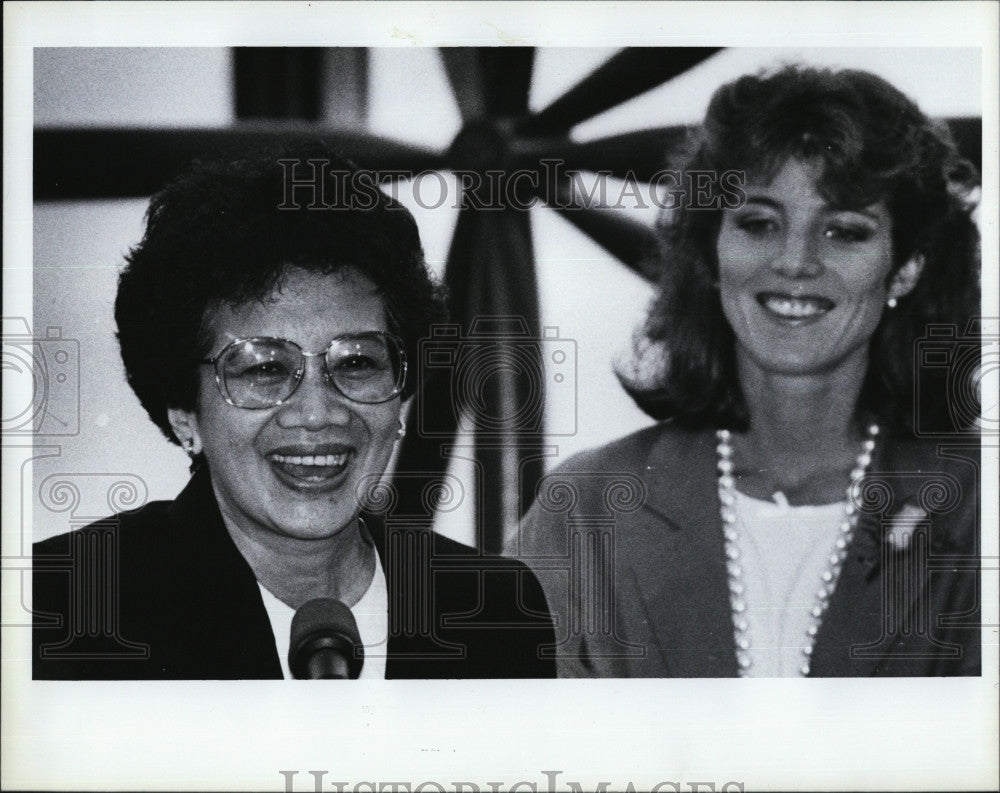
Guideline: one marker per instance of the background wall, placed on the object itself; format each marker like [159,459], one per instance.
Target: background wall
[78,246]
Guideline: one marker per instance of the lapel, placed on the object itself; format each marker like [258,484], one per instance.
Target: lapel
[855,608]
[676,569]
[231,636]
[880,588]
[217,613]
[416,604]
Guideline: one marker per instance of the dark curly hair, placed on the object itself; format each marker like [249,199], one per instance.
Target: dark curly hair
[873,144]
[224,233]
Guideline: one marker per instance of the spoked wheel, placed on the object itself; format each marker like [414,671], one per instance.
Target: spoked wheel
[486,375]
[499,385]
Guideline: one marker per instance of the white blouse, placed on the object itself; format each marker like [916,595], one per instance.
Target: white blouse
[784,551]
[371,613]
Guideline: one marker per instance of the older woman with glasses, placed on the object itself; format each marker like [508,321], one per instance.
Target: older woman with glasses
[271,340]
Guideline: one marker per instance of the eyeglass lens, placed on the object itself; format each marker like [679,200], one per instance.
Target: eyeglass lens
[265,372]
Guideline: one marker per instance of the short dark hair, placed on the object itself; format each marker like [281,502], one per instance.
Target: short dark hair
[873,143]
[225,232]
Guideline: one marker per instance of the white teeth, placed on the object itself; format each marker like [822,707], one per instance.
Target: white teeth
[793,307]
[319,460]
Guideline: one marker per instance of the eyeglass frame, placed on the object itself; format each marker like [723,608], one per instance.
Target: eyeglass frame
[300,372]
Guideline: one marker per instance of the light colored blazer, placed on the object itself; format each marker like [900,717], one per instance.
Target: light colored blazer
[627,541]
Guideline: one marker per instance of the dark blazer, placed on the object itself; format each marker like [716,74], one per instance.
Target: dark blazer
[627,541]
[162,592]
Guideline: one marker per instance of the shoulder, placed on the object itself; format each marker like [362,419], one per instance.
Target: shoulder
[159,528]
[446,547]
[135,529]
[953,459]
[581,483]
[632,452]
[492,607]
[463,572]
[128,551]
[402,549]
[621,472]
[97,593]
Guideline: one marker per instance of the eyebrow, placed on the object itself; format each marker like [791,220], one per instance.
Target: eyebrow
[868,213]
[778,206]
[763,200]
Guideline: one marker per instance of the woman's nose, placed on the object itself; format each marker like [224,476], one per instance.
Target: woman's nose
[800,256]
[316,403]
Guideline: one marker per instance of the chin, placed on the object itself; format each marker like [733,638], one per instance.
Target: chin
[799,362]
[314,521]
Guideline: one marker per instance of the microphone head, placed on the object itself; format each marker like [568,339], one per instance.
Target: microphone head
[325,641]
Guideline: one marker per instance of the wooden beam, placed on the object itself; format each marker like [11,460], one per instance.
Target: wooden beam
[82,163]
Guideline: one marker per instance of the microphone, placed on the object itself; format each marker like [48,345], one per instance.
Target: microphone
[325,642]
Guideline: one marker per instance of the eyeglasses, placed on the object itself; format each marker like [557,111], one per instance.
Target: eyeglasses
[263,372]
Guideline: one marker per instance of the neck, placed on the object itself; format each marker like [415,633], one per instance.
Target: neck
[796,412]
[803,436]
[296,570]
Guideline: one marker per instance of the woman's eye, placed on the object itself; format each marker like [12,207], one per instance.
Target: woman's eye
[357,365]
[269,370]
[846,233]
[756,226]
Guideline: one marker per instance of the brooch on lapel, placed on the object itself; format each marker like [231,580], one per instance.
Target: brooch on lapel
[900,528]
[887,532]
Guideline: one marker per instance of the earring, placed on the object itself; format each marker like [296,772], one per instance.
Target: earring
[892,302]
[401,431]
[187,444]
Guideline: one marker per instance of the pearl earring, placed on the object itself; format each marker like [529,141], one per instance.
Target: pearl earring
[892,302]
[401,431]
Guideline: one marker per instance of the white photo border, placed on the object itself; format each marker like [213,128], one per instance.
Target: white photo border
[767,734]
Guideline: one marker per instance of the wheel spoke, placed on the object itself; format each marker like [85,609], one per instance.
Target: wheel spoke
[503,311]
[465,74]
[627,74]
[639,155]
[433,416]
[495,382]
[633,243]
[489,81]
[278,82]
[508,79]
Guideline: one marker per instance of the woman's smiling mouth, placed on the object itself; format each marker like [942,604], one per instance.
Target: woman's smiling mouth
[794,309]
[310,469]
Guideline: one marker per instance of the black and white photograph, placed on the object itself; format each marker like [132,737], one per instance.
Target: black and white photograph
[606,393]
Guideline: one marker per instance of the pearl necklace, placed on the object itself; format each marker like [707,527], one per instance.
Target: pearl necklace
[727,499]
